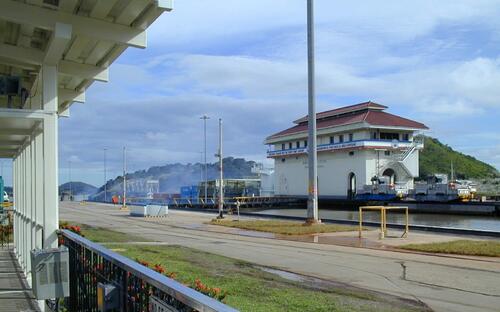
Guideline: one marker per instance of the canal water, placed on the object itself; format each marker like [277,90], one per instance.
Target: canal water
[454,221]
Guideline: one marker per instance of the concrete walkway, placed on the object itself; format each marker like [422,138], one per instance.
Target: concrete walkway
[15,295]
[443,283]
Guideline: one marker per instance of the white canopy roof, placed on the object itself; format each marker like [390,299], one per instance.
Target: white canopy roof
[80,37]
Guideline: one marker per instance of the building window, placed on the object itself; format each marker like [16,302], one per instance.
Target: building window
[374,135]
[351,153]
[283,146]
[406,137]
[290,145]
[387,153]
[389,136]
[305,143]
[297,144]
[283,159]
[341,138]
[350,137]
[332,140]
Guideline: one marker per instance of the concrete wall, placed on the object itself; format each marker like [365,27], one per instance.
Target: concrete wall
[291,172]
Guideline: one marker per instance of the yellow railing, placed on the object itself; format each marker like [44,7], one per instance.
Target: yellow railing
[383,218]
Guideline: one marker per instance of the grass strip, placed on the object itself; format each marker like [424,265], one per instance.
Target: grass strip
[284,227]
[459,247]
[251,289]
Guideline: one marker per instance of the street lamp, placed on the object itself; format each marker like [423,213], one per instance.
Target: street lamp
[221,175]
[312,203]
[70,185]
[105,179]
[124,201]
[205,117]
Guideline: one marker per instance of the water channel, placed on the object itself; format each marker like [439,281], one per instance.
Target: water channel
[455,221]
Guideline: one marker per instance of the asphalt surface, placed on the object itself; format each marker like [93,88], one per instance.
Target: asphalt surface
[443,283]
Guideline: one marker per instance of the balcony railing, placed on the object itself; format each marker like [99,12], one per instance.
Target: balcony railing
[140,288]
[389,144]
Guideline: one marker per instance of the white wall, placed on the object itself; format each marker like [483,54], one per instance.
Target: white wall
[291,176]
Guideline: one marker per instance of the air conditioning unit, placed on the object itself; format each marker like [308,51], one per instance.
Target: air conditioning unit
[50,273]
[10,85]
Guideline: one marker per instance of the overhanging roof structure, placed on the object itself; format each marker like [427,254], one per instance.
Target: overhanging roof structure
[82,38]
[51,51]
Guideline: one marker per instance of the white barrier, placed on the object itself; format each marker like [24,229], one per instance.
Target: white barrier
[148,211]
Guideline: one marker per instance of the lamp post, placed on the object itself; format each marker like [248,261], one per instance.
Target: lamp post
[221,174]
[312,203]
[205,117]
[105,179]
[70,184]
[124,201]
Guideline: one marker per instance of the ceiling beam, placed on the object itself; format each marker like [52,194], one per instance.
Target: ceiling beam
[8,132]
[22,13]
[15,63]
[22,113]
[24,55]
[84,71]
[60,38]
[10,142]
[65,95]
[29,59]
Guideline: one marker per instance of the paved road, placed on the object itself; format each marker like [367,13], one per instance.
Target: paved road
[443,283]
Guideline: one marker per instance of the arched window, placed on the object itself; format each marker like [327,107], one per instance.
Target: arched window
[351,185]
[391,174]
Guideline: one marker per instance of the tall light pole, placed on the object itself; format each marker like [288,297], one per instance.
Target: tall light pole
[205,117]
[312,203]
[221,175]
[105,178]
[124,201]
[70,184]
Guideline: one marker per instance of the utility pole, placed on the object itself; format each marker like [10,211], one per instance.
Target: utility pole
[205,117]
[70,184]
[105,179]
[312,203]
[221,174]
[124,201]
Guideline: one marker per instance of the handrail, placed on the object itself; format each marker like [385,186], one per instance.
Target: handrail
[180,292]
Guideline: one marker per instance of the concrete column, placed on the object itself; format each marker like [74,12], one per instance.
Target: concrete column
[16,201]
[50,157]
[29,203]
[23,210]
[39,202]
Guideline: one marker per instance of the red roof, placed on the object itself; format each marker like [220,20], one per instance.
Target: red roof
[372,117]
[344,110]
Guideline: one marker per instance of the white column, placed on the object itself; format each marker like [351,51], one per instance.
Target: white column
[50,157]
[39,204]
[29,204]
[15,198]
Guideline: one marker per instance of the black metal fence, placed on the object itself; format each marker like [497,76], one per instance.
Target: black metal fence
[139,288]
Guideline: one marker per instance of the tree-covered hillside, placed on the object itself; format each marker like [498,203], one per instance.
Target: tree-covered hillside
[436,157]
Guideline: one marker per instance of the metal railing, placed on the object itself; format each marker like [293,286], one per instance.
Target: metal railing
[140,288]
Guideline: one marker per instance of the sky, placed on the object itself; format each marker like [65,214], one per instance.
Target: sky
[437,62]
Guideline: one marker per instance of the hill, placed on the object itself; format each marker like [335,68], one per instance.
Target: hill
[77,188]
[172,176]
[436,157]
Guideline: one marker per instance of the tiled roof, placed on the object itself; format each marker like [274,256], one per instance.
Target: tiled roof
[345,110]
[372,117]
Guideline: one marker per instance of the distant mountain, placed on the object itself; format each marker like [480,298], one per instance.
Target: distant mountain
[172,176]
[77,188]
[437,157]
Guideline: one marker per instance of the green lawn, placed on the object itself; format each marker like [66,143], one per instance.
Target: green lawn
[102,235]
[251,289]
[284,227]
[460,247]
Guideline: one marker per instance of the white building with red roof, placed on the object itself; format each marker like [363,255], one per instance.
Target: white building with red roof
[355,144]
